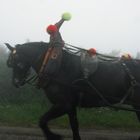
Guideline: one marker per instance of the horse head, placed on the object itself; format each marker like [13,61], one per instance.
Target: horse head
[19,64]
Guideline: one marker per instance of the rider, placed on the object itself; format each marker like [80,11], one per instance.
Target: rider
[52,60]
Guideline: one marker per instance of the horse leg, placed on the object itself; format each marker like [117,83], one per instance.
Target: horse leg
[54,112]
[74,124]
[137,112]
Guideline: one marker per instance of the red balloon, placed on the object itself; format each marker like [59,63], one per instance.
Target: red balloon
[51,29]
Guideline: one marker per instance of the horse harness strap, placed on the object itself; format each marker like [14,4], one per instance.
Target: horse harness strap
[106,101]
[46,58]
[133,83]
[129,92]
[52,53]
[132,78]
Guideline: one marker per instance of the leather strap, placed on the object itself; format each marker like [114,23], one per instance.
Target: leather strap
[46,58]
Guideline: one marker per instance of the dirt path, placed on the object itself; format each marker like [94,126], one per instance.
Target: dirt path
[18,133]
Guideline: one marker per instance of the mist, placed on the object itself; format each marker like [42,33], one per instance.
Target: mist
[102,24]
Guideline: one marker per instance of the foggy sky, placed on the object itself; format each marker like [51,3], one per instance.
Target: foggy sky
[102,24]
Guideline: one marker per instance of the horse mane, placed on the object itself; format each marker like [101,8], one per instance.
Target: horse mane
[30,46]
[32,49]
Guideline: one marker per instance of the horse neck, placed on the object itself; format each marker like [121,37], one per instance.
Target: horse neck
[35,52]
[39,57]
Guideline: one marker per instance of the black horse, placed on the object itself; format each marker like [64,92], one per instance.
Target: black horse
[112,82]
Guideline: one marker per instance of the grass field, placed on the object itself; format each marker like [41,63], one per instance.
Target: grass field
[28,115]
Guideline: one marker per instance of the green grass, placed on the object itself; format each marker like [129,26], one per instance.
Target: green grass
[28,115]
[102,118]
[21,114]
[108,118]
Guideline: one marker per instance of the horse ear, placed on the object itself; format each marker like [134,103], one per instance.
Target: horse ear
[9,47]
